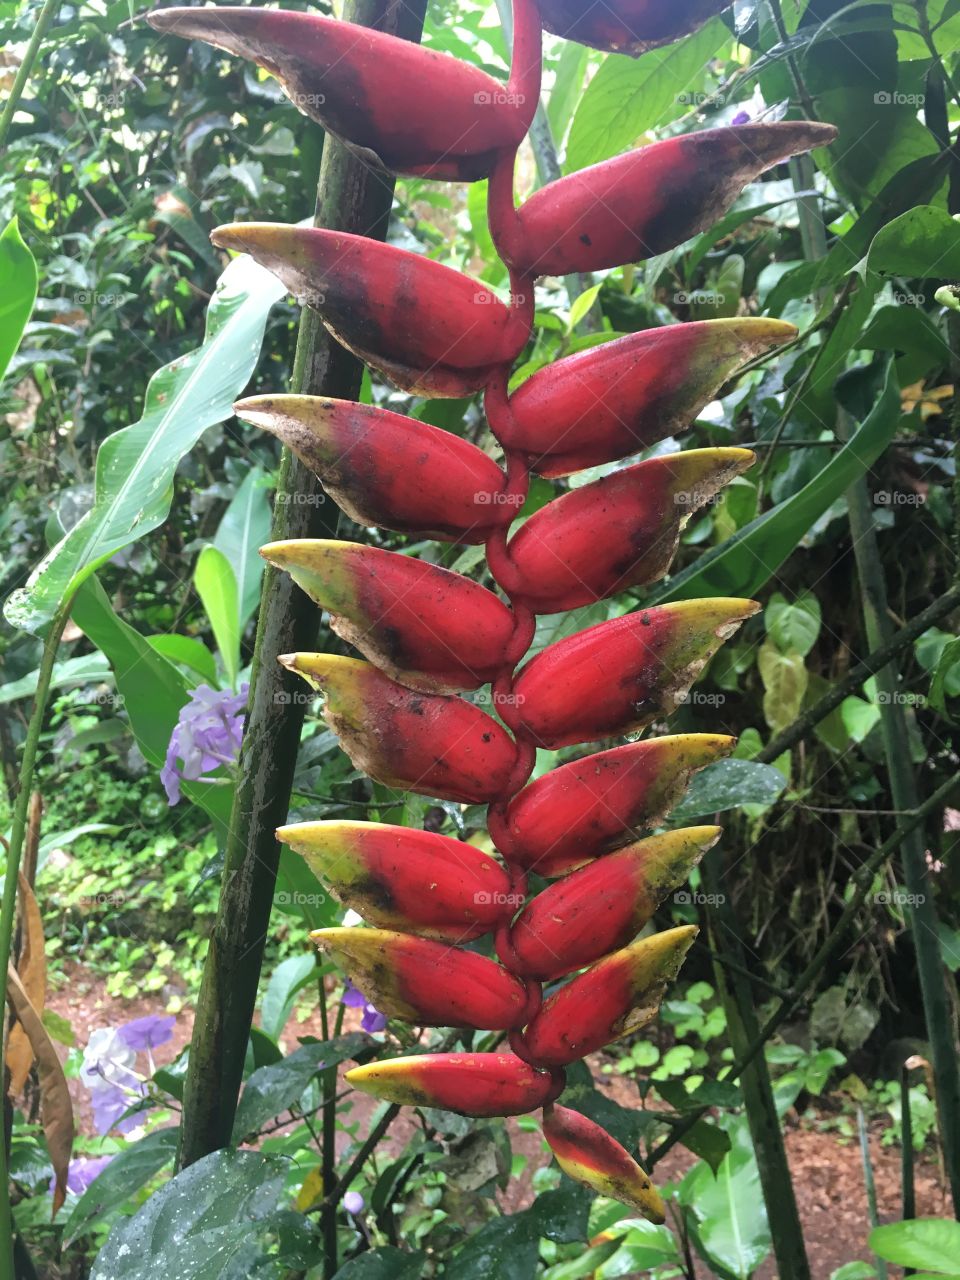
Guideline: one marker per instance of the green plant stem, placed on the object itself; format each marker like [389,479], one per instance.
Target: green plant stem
[869,1185]
[921,910]
[352,196]
[8,908]
[863,881]
[47,14]
[907,1182]
[762,1118]
[855,677]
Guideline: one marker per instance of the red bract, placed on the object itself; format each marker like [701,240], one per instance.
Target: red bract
[430,330]
[610,401]
[368,88]
[385,469]
[647,201]
[428,631]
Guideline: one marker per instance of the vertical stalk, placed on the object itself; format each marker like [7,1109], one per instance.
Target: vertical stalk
[47,14]
[921,911]
[907,1184]
[9,904]
[354,197]
[743,1028]
[869,1185]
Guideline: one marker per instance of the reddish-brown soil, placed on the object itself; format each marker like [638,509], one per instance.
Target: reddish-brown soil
[827,1171]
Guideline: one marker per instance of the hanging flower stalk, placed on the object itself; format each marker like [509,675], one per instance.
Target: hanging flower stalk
[428,635]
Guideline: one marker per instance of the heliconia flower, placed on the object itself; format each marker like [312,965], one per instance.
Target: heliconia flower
[372,1020]
[425,982]
[449,345]
[207,735]
[368,88]
[627,26]
[589,1155]
[617,676]
[473,1084]
[615,399]
[402,879]
[434,745]
[620,531]
[583,809]
[81,1172]
[618,995]
[603,906]
[424,626]
[388,470]
[647,201]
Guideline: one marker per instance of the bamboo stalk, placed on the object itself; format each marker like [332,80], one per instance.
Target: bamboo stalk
[737,998]
[352,196]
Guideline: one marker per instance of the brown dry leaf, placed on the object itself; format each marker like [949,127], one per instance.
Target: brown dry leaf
[56,1109]
[32,971]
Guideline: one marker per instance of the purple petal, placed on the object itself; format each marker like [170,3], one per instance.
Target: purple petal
[353,1202]
[742,117]
[146,1033]
[352,997]
[373,1019]
[81,1172]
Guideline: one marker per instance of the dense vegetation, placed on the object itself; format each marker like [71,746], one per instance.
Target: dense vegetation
[830,912]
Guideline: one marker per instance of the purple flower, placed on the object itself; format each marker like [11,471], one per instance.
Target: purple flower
[207,734]
[82,1171]
[108,1072]
[353,998]
[146,1033]
[742,117]
[353,1202]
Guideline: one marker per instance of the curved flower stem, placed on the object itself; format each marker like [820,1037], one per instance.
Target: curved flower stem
[9,904]
[352,197]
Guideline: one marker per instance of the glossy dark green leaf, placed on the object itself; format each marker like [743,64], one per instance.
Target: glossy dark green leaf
[18,290]
[273,1089]
[728,784]
[128,1171]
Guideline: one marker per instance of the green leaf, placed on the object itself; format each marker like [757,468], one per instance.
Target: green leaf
[152,689]
[709,1142]
[188,652]
[923,242]
[203,1225]
[742,565]
[793,627]
[944,676]
[276,1088]
[855,1271]
[503,1247]
[628,96]
[784,683]
[18,290]
[382,1264]
[731,1231]
[289,977]
[136,466]
[929,1243]
[128,1171]
[561,1215]
[728,784]
[244,529]
[86,670]
[217,588]
[582,304]
[859,717]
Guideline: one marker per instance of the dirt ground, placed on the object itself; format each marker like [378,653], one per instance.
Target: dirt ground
[827,1171]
